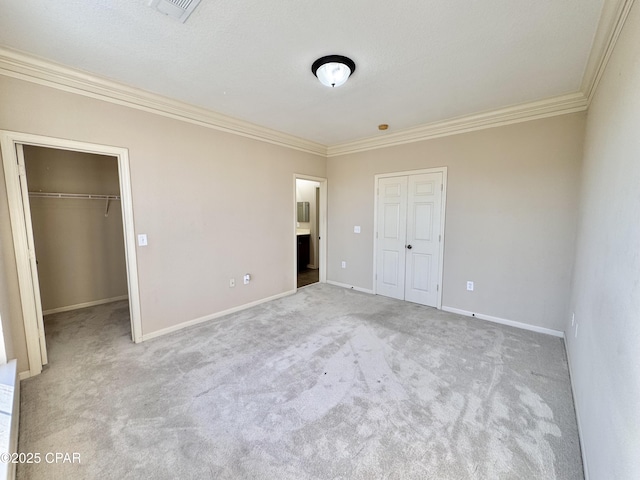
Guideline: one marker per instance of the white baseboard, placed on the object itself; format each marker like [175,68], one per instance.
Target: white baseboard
[85,304]
[24,375]
[351,287]
[585,467]
[503,321]
[206,318]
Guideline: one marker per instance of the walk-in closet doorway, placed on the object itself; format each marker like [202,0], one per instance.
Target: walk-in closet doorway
[72,226]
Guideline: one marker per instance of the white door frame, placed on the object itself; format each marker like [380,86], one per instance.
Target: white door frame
[27,278]
[442,170]
[322,244]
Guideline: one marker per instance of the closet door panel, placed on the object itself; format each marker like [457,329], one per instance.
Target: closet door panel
[424,204]
[390,254]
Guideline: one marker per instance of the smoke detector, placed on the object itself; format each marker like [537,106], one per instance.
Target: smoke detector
[178,9]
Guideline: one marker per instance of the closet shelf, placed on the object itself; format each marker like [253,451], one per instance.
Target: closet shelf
[85,196]
[88,196]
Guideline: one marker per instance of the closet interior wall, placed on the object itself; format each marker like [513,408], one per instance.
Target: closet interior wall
[79,242]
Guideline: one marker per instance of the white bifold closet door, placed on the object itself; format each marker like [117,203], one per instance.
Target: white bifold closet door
[408,238]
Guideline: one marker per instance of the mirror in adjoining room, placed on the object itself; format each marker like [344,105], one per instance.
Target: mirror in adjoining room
[303,211]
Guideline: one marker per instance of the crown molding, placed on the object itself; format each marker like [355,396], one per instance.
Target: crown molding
[571,103]
[612,19]
[43,72]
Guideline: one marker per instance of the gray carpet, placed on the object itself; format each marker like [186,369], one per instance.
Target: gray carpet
[325,384]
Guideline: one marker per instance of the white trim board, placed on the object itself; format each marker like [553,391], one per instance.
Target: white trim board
[583,450]
[44,72]
[213,316]
[24,375]
[78,306]
[9,142]
[504,321]
[612,19]
[571,103]
[351,287]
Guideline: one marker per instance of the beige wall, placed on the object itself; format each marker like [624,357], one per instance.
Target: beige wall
[214,205]
[510,218]
[80,252]
[605,356]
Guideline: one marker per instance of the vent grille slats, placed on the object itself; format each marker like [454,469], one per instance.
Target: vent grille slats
[178,9]
[184,4]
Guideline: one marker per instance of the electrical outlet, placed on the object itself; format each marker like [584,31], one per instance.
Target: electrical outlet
[470,286]
[344,264]
[232,282]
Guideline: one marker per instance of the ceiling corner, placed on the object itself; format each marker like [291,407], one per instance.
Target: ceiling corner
[612,19]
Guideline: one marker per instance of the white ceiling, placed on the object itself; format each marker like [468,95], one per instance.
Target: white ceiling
[418,61]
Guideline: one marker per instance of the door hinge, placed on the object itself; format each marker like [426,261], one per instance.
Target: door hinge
[437,288]
[376,234]
[439,238]
[442,187]
[22,171]
[377,191]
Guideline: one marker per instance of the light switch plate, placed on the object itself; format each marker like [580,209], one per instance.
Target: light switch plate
[142,240]
[356,229]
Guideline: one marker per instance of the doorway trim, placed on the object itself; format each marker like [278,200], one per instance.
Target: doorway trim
[442,170]
[27,277]
[322,244]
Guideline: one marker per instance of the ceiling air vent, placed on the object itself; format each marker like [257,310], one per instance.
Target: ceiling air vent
[178,9]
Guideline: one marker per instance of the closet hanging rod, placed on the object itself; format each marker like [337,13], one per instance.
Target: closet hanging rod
[88,196]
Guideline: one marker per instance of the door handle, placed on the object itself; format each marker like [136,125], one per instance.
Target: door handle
[409,247]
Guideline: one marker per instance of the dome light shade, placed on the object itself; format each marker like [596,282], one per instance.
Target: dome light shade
[333,70]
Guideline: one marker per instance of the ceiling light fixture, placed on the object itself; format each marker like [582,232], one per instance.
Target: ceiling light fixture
[333,70]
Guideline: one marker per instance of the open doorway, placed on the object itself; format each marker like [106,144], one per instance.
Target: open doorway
[76,219]
[114,160]
[310,222]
